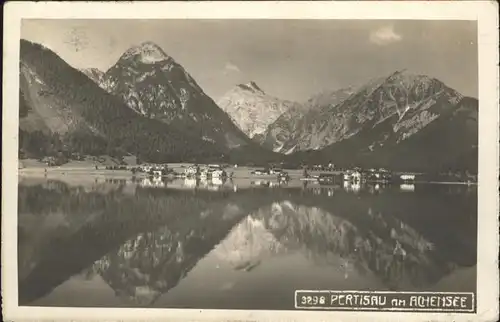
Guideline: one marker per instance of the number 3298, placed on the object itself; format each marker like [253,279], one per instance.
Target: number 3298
[312,300]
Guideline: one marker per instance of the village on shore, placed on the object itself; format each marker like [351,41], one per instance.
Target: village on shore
[327,174]
[322,174]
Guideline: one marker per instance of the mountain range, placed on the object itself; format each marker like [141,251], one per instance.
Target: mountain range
[148,105]
[404,121]
[401,121]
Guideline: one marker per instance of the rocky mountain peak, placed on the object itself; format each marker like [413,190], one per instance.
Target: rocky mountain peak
[147,52]
[251,109]
[409,79]
[154,85]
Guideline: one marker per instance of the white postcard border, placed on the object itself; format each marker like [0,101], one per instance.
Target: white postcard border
[485,12]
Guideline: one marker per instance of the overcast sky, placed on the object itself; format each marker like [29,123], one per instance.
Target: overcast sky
[291,59]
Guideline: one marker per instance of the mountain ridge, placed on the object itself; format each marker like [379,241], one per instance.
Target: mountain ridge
[74,107]
[285,133]
[64,98]
[154,85]
[351,126]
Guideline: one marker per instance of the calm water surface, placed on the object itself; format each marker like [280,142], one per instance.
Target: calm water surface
[239,245]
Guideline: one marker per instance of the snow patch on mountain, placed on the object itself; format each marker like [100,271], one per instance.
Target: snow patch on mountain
[33,76]
[145,75]
[290,151]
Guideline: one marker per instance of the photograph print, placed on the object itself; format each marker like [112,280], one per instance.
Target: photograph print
[246,164]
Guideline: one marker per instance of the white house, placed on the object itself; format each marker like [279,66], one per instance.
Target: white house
[407,177]
[146,168]
[190,171]
[217,173]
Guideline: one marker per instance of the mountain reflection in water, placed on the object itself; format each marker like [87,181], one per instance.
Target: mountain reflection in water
[236,245]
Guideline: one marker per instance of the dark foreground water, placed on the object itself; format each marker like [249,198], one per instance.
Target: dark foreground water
[239,246]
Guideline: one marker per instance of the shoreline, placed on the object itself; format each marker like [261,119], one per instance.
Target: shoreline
[238,173]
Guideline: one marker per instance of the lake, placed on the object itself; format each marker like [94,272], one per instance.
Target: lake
[247,244]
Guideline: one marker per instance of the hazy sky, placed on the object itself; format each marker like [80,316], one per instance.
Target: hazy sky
[291,59]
